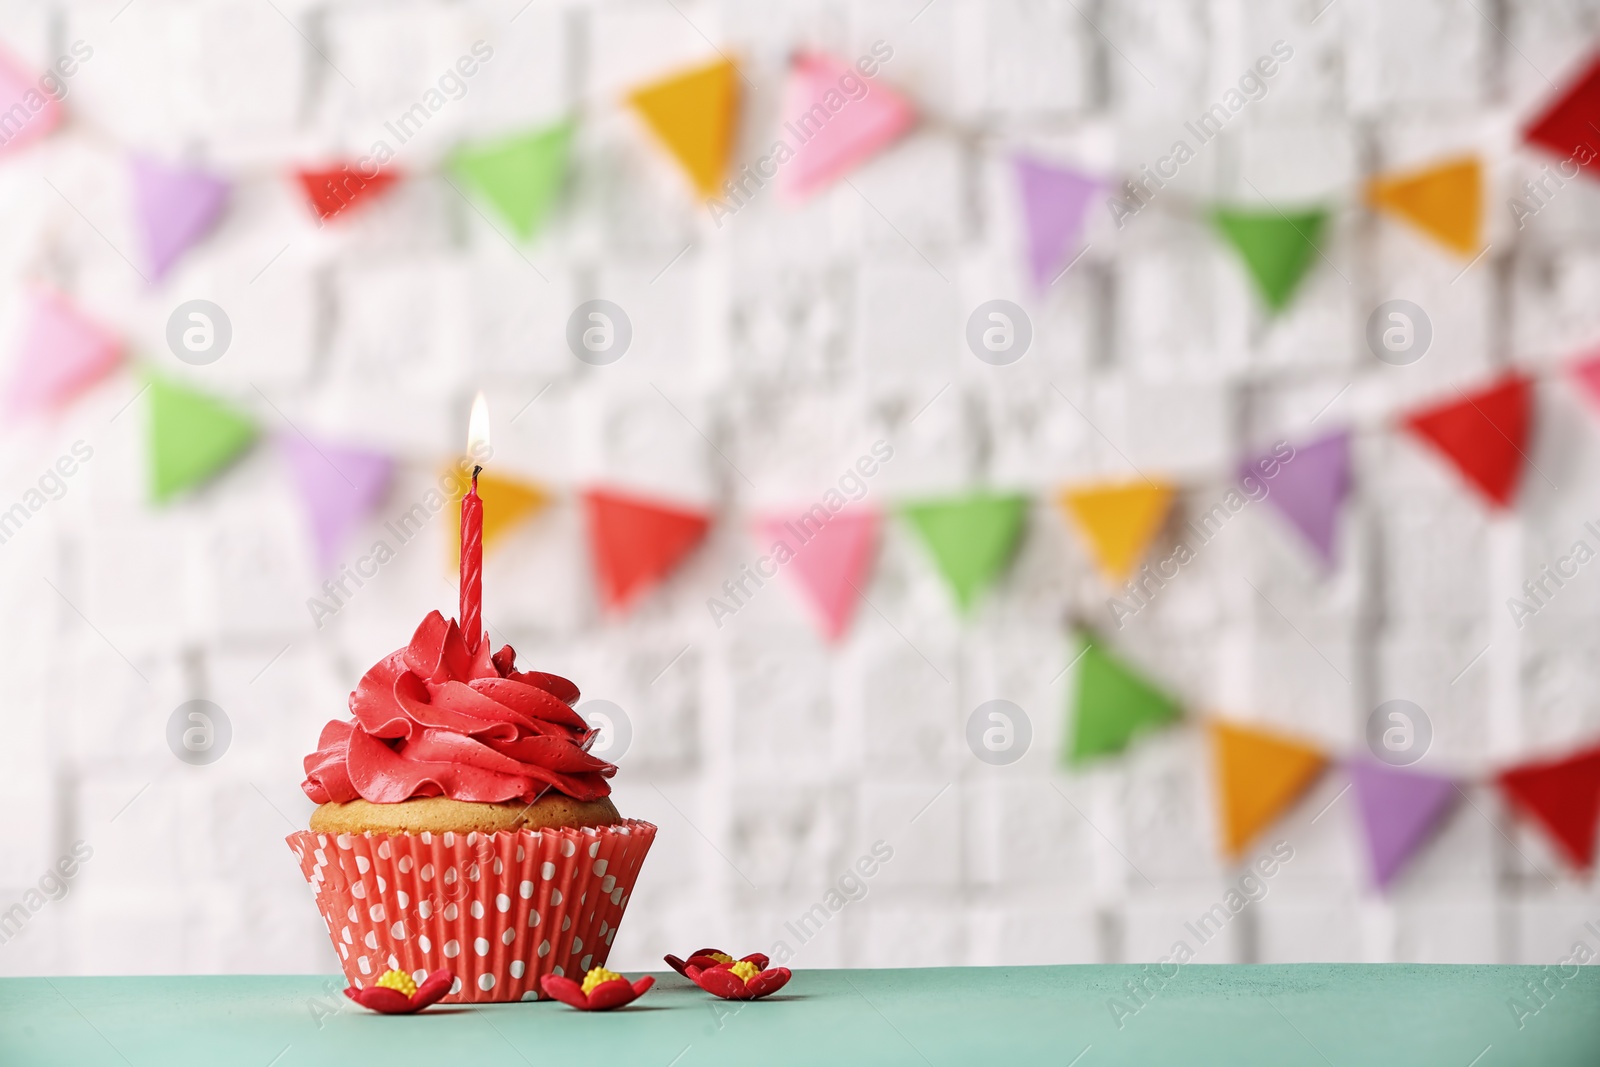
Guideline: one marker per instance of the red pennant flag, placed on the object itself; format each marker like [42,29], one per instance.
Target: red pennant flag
[1563,797]
[637,542]
[1483,434]
[332,191]
[1568,126]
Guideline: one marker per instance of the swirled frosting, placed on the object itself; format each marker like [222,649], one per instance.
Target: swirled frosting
[434,720]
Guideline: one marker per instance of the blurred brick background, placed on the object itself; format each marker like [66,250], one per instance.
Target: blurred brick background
[768,354]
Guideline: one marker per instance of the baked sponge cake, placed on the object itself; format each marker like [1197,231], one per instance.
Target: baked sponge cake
[462,823]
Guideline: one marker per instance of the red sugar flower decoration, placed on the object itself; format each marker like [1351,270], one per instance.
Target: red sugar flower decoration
[707,958]
[740,980]
[395,993]
[601,990]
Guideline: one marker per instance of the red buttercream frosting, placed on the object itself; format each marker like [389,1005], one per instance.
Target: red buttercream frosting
[434,720]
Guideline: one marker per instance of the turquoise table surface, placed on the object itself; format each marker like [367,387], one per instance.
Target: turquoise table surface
[1316,1015]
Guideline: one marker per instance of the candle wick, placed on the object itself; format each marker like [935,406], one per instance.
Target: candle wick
[475,472]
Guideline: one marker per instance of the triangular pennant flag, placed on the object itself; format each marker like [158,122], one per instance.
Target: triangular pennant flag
[192,437]
[1586,372]
[830,133]
[1399,810]
[331,191]
[1563,797]
[176,206]
[507,502]
[693,113]
[61,353]
[971,538]
[29,111]
[520,176]
[1259,774]
[340,486]
[1483,435]
[1309,488]
[1444,201]
[1054,200]
[1113,705]
[827,560]
[1277,248]
[1118,520]
[1568,126]
[637,542]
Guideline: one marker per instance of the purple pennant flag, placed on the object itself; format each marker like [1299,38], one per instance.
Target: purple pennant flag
[1309,488]
[1053,201]
[340,485]
[176,206]
[1399,809]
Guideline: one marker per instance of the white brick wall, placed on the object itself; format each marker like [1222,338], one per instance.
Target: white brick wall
[792,338]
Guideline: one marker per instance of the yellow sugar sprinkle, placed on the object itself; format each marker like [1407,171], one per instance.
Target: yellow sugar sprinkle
[595,976]
[399,981]
[745,970]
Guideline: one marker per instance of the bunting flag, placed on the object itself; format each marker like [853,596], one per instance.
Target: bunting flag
[519,176]
[1113,705]
[330,192]
[1118,520]
[694,113]
[1277,248]
[1259,774]
[61,354]
[1309,489]
[971,538]
[831,133]
[29,111]
[1054,201]
[1586,372]
[177,206]
[1562,796]
[1444,201]
[1568,126]
[340,486]
[507,503]
[1399,811]
[1483,434]
[192,437]
[827,561]
[637,542]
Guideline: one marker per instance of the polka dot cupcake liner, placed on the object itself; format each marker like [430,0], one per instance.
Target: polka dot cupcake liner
[500,910]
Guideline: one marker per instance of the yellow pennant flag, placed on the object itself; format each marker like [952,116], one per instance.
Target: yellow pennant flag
[693,115]
[506,503]
[1118,520]
[1444,201]
[1259,773]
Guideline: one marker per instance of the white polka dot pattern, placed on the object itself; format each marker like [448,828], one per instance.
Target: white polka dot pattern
[476,903]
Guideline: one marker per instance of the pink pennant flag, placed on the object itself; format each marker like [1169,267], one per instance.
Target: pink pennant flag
[27,111]
[61,354]
[830,130]
[340,485]
[1308,488]
[1586,372]
[176,207]
[826,556]
[1399,811]
[1054,200]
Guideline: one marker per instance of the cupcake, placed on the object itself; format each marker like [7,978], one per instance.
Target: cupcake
[463,824]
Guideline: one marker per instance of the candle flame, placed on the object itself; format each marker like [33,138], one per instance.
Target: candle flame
[478,429]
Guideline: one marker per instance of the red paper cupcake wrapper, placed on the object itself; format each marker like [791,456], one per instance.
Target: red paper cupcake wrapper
[500,910]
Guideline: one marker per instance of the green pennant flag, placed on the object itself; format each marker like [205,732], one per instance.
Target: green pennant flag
[519,175]
[192,437]
[1114,704]
[1277,248]
[971,537]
